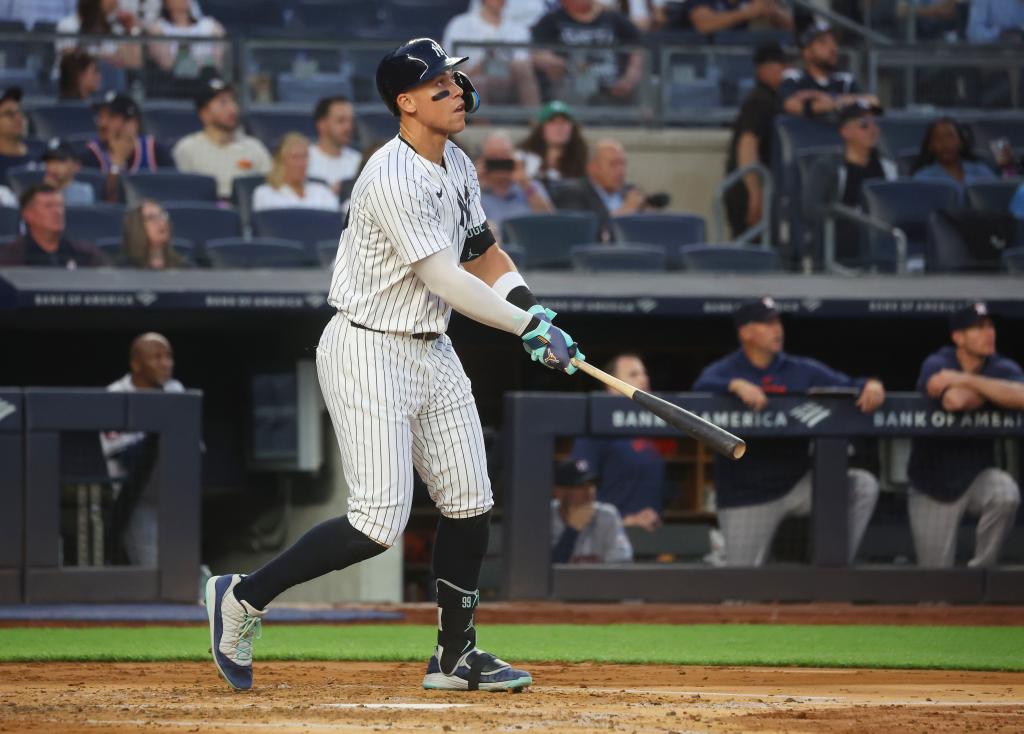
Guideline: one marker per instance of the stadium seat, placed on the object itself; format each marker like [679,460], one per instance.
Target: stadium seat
[245,18]
[549,238]
[517,253]
[169,124]
[92,223]
[946,251]
[341,19]
[307,90]
[22,177]
[272,125]
[419,18]
[9,219]
[61,120]
[169,186]
[618,257]
[111,247]
[242,189]
[992,196]
[903,204]
[259,252]
[376,127]
[730,259]
[985,131]
[307,226]
[1013,260]
[201,223]
[694,93]
[669,231]
[902,135]
[326,251]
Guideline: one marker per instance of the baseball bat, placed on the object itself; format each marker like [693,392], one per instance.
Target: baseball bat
[691,424]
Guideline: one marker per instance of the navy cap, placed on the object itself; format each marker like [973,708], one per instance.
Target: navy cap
[760,310]
[968,316]
[808,35]
[855,111]
[768,53]
[574,473]
[210,89]
[119,104]
[14,93]
[58,150]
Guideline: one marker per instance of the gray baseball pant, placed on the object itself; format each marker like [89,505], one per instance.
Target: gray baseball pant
[748,531]
[993,495]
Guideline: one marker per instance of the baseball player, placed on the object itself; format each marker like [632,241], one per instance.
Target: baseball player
[416,245]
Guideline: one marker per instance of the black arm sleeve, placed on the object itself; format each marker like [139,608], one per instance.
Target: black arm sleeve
[478,241]
[562,552]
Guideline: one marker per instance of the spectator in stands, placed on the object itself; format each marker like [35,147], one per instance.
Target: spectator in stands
[220,149]
[555,148]
[817,88]
[631,470]
[841,180]
[187,60]
[604,191]
[711,16]
[505,189]
[131,456]
[774,479]
[502,76]
[31,12]
[752,137]
[333,159]
[646,15]
[951,476]
[613,75]
[946,155]
[120,147]
[80,78]
[992,21]
[7,198]
[286,185]
[582,529]
[146,239]
[1017,203]
[43,243]
[102,18]
[62,166]
[14,150]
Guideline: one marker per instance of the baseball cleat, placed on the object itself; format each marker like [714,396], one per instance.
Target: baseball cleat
[476,670]
[234,625]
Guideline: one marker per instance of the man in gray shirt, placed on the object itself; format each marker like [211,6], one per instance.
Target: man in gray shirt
[582,529]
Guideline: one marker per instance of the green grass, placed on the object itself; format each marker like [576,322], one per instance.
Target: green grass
[970,648]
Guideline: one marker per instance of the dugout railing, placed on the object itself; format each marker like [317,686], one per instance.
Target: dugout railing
[533,422]
[33,423]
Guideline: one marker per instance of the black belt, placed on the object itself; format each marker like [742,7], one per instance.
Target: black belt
[427,336]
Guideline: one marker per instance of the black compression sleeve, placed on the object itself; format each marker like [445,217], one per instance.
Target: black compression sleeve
[478,241]
[523,297]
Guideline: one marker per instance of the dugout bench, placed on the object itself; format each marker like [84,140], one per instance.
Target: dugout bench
[32,422]
[532,422]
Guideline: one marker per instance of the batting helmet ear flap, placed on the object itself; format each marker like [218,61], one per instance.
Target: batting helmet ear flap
[469,94]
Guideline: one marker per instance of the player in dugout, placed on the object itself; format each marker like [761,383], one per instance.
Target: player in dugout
[951,476]
[774,479]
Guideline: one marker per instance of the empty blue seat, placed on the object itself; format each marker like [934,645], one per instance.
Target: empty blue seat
[619,256]
[92,223]
[903,204]
[307,226]
[62,120]
[259,252]
[9,219]
[170,124]
[1013,260]
[992,196]
[902,136]
[730,259]
[169,186]
[697,93]
[549,238]
[272,125]
[242,188]
[201,223]
[947,252]
[308,90]
[670,231]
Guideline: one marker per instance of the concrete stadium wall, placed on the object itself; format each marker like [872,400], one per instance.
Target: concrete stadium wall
[686,164]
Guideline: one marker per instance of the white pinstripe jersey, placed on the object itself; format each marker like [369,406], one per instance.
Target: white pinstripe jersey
[403,209]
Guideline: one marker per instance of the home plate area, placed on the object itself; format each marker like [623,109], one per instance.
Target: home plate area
[587,697]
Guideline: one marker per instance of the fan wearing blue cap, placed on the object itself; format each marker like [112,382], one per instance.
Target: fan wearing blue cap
[951,477]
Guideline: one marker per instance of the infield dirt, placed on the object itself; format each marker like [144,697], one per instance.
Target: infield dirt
[310,697]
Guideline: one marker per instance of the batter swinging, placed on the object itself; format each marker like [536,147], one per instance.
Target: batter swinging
[395,389]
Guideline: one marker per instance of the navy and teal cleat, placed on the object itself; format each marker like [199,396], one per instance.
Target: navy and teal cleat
[476,670]
[234,625]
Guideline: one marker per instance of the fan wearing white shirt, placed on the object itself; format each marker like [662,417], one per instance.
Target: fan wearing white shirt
[286,186]
[504,76]
[332,159]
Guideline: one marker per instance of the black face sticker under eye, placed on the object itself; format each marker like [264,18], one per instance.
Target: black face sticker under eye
[440,95]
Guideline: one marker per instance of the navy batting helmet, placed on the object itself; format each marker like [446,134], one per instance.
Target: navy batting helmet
[415,62]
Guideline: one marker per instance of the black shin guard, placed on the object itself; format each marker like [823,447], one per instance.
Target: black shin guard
[459,548]
[330,546]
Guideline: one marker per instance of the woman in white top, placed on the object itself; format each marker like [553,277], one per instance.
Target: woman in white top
[286,186]
[178,19]
[101,18]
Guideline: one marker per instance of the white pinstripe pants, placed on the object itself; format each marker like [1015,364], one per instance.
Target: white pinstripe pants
[398,403]
[993,496]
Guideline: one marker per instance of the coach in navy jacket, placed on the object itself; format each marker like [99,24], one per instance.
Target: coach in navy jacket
[774,478]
